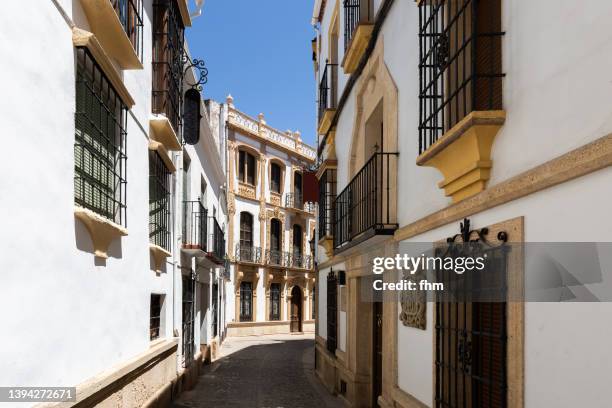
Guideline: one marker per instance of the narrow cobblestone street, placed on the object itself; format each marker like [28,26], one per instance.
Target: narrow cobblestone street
[274,371]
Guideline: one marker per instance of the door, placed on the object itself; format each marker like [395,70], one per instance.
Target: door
[296,309]
[377,352]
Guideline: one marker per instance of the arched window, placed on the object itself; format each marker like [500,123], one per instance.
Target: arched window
[275,177]
[275,234]
[246,230]
[297,240]
[246,167]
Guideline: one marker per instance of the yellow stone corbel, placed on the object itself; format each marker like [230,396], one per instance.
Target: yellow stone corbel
[102,230]
[159,256]
[463,154]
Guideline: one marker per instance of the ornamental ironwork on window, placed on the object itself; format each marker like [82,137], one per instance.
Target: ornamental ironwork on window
[327,195]
[159,201]
[100,142]
[130,14]
[246,301]
[460,65]
[275,292]
[168,61]
[187,318]
[471,337]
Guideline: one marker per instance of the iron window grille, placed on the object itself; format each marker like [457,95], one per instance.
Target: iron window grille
[275,291]
[215,309]
[355,12]
[327,194]
[332,312]
[159,201]
[363,208]
[246,167]
[195,217]
[246,301]
[130,14]
[100,142]
[460,65]
[155,316]
[328,89]
[187,317]
[217,237]
[168,61]
[471,337]
[275,178]
[248,253]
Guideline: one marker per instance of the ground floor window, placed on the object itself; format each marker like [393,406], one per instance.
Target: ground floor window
[188,340]
[275,290]
[155,316]
[246,301]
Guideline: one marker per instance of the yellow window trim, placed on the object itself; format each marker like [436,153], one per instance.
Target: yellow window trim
[83,38]
[161,130]
[102,230]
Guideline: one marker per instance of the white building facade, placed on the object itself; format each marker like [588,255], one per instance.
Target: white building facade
[494,111]
[121,301]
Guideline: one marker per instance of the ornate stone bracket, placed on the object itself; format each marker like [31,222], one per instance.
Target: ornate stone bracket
[159,256]
[102,230]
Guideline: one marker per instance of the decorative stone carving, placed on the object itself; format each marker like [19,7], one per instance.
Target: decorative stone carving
[246,191]
[231,203]
[414,305]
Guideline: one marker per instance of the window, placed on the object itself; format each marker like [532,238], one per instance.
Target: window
[100,142]
[246,229]
[159,201]
[460,66]
[275,234]
[327,195]
[246,301]
[246,167]
[187,317]
[332,311]
[168,39]
[297,240]
[275,178]
[130,14]
[155,316]
[275,289]
[297,186]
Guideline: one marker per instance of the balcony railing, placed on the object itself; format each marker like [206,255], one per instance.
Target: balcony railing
[354,13]
[294,200]
[366,207]
[217,241]
[130,14]
[328,89]
[248,254]
[276,257]
[298,260]
[194,225]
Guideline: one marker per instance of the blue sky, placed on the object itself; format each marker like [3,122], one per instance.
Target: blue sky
[260,52]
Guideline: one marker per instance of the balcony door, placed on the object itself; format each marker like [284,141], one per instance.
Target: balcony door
[275,241]
[246,236]
[296,309]
[297,244]
[297,189]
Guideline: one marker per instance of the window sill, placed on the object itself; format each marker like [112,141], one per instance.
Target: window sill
[326,120]
[106,25]
[463,154]
[163,153]
[159,256]
[161,131]
[82,38]
[357,47]
[102,230]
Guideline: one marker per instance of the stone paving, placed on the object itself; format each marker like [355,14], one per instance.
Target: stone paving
[275,371]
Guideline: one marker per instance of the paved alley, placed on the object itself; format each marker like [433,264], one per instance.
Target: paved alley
[261,372]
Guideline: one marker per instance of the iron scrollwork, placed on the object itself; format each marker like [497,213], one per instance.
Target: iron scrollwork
[202,72]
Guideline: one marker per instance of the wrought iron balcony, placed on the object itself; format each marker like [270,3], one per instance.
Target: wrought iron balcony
[354,13]
[276,257]
[194,226]
[328,89]
[298,260]
[217,241]
[366,206]
[293,200]
[130,14]
[248,254]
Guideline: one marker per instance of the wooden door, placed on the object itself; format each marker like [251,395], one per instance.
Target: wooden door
[296,309]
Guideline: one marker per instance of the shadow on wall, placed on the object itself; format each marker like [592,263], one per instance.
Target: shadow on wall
[83,243]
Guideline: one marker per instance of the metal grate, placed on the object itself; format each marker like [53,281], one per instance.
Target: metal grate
[187,317]
[194,225]
[130,14]
[217,244]
[364,206]
[248,253]
[355,12]
[328,89]
[100,142]
[327,194]
[168,61]
[246,301]
[275,291]
[332,311]
[159,201]
[294,200]
[155,316]
[460,67]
